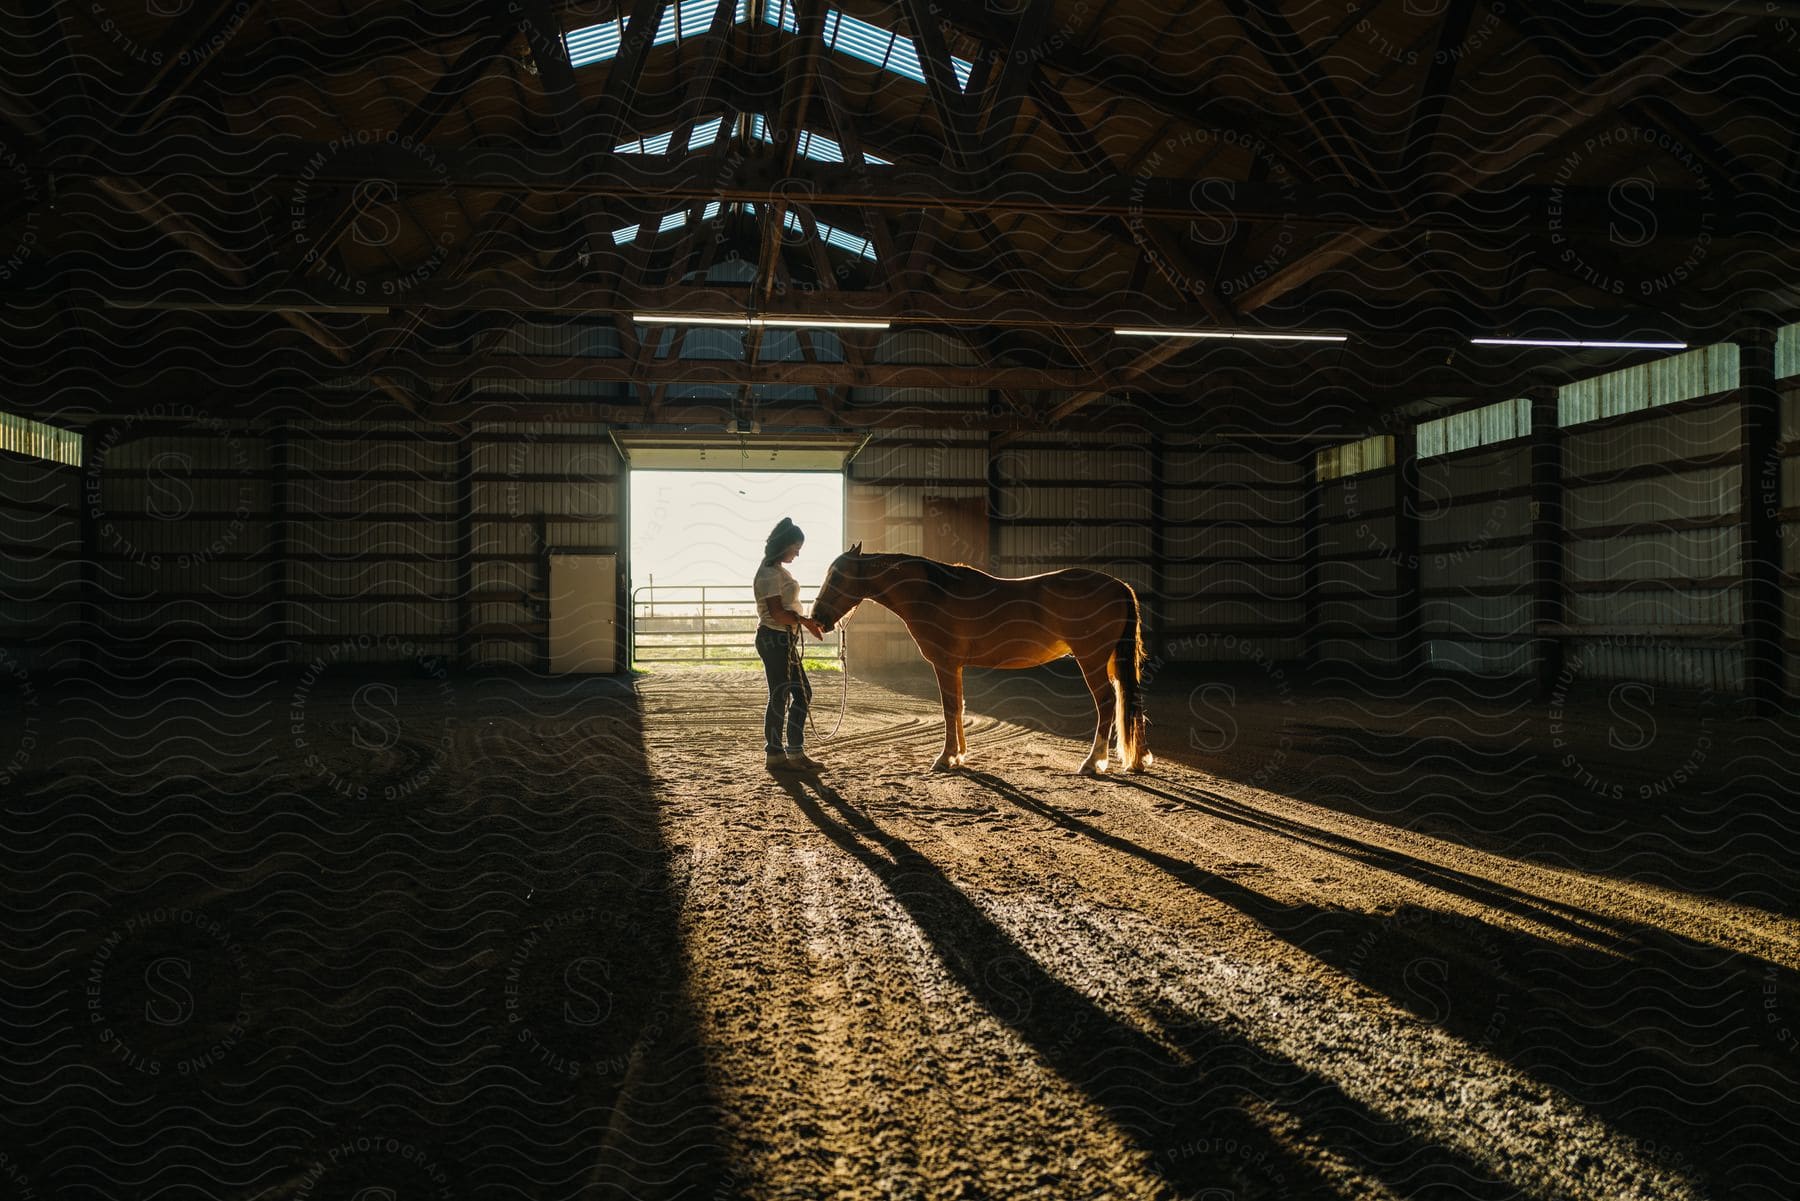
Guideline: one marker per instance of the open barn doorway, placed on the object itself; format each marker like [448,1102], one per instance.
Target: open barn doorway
[699,516]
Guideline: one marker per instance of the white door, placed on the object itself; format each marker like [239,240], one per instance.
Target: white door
[584,612]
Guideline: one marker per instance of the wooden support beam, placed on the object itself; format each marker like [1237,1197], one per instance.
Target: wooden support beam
[1074,132]
[465,550]
[620,91]
[512,367]
[190,51]
[1421,132]
[1018,74]
[1322,108]
[913,182]
[843,124]
[449,89]
[180,230]
[940,82]
[1549,605]
[280,545]
[1135,372]
[1565,114]
[1765,661]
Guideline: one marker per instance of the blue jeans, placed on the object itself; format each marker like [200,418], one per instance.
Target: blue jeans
[790,692]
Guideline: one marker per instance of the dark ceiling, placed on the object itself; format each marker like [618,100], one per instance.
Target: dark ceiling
[377,210]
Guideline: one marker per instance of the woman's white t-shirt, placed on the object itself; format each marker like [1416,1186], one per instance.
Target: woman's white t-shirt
[773,579]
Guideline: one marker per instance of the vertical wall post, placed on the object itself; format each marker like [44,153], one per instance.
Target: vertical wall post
[95,442]
[625,639]
[540,549]
[1312,519]
[1409,606]
[1765,666]
[1157,618]
[465,549]
[1548,595]
[278,546]
[993,504]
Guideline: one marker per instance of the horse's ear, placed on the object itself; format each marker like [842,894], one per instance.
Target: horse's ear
[857,549]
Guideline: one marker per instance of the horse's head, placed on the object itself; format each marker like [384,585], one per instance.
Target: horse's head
[842,590]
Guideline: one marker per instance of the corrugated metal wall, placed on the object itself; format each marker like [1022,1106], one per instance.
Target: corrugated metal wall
[1475,555]
[1653,505]
[222,544]
[536,488]
[886,491]
[40,566]
[1356,605]
[1787,371]
[232,545]
[1229,583]
[1653,529]
[1235,567]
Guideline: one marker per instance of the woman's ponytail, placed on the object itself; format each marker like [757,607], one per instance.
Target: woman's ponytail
[784,535]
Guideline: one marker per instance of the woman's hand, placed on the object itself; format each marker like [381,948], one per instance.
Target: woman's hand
[813,627]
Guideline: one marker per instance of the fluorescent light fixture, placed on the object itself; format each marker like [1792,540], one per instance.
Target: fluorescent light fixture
[1579,345]
[823,322]
[1242,335]
[760,322]
[681,319]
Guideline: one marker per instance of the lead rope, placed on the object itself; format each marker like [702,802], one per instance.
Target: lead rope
[843,670]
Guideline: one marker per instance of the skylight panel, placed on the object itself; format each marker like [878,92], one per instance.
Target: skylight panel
[705,134]
[842,239]
[815,146]
[872,44]
[657,144]
[597,43]
[782,16]
[674,220]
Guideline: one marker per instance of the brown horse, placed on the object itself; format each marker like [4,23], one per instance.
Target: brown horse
[961,617]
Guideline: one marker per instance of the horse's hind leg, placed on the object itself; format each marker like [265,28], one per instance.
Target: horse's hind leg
[1100,684]
[950,689]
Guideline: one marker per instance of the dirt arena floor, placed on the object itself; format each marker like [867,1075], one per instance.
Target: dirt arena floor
[308,934]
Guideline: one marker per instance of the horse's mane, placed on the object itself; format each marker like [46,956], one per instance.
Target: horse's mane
[936,570]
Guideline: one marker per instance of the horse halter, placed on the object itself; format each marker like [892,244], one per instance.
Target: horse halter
[841,618]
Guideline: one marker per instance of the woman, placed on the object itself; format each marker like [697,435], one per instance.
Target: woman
[778,642]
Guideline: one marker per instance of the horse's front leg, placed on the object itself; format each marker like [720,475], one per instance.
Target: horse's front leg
[950,689]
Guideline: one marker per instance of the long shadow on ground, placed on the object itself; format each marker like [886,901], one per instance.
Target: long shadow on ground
[1666,1038]
[424,945]
[1187,1105]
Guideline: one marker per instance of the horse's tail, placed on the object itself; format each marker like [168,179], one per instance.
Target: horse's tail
[1128,664]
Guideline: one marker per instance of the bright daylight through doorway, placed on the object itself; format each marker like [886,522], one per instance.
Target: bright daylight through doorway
[704,530]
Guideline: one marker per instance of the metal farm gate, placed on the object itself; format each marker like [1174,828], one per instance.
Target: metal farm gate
[708,624]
